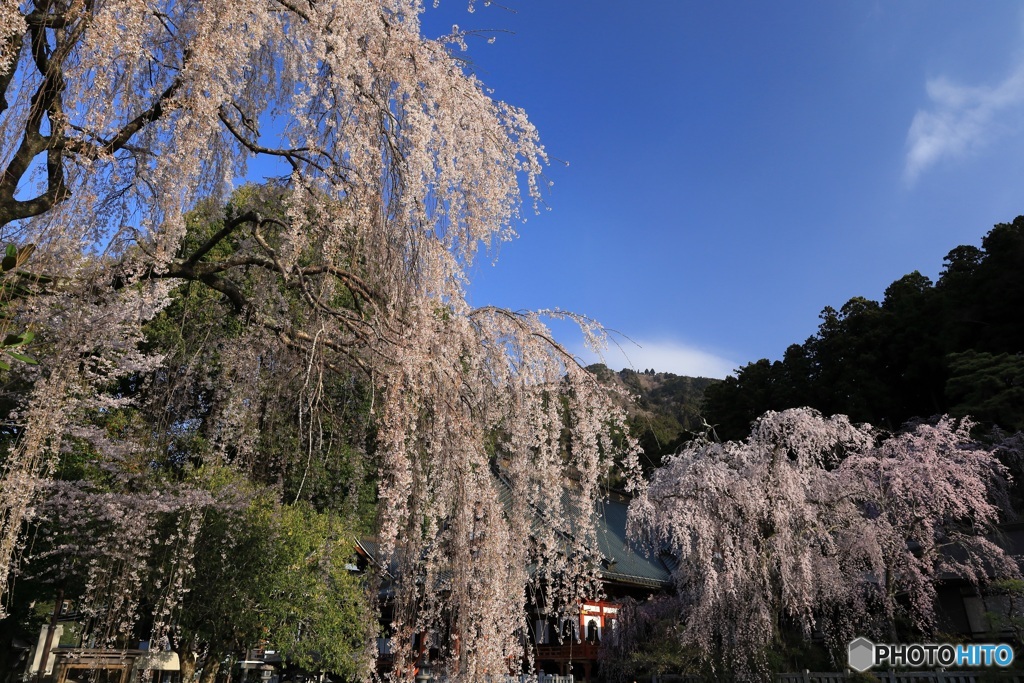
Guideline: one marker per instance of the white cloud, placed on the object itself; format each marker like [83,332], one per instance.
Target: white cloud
[961,119]
[665,356]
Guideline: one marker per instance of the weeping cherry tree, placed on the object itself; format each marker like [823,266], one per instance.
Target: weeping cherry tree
[118,116]
[815,524]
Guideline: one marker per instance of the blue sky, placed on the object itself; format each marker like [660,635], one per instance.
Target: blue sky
[734,167]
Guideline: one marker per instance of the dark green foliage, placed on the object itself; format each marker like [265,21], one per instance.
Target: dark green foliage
[732,404]
[277,575]
[667,410]
[988,387]
[649,644]
[27,609]
[949,347]
[15,284]
[318,448]
[274,568]
[1006,613]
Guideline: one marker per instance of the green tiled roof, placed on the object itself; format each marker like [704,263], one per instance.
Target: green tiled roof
[623,563]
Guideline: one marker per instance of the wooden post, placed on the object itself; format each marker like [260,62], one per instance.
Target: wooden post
[48,643]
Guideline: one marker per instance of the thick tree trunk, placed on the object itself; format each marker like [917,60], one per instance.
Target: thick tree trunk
[210,669]
[187,661]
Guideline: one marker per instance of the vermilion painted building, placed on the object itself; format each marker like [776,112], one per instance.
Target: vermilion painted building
[573,646]
[624,572]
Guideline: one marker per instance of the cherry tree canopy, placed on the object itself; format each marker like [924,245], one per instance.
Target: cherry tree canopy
[117,116]
[811,522]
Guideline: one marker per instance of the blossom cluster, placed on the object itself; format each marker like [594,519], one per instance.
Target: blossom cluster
[823,525]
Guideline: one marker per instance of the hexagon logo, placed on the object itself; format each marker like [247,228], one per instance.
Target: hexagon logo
[861,655]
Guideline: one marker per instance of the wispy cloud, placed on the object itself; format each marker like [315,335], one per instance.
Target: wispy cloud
[666,356]
[961,119]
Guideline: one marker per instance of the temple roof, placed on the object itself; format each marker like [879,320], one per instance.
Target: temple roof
[622,563]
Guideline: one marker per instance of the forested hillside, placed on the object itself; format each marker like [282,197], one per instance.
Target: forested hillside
[667,410]
[953,346]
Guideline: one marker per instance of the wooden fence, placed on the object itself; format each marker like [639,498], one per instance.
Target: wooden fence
[543,678]
[879,676]
[905,677]
[805,677]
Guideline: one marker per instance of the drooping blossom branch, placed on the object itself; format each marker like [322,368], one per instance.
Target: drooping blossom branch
[811,523]
[397,169]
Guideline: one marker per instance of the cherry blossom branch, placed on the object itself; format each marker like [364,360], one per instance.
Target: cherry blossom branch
[292,156]
[533,332]
[230,226]
[48,100]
